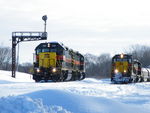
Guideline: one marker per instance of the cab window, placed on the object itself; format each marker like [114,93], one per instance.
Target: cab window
[45,50]
[38,51]
[52,50]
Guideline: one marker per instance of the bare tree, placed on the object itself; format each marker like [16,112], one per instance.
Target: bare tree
[98,66]
[25,67]
[5,58]
[141,53]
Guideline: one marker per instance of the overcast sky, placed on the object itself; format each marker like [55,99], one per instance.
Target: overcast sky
[88,26]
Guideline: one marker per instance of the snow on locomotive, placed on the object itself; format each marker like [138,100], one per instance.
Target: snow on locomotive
[127,70]
[56,62]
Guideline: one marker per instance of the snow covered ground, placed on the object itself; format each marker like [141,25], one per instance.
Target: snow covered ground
[23,95]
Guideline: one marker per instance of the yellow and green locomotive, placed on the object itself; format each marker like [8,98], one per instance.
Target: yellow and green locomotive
[54,61]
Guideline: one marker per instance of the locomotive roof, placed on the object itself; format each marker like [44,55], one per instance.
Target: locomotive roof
[123,54]
[61,44]
[54,42]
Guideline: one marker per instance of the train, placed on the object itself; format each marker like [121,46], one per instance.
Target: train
[56,62]
[125,69]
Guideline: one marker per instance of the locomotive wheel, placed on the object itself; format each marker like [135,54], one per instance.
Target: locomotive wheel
[61,78]
[73,76]
[37,80]
[65,73]
[79,75]
[130,80]
[46,80]
[141,79]
[58,78]
[55,78]
[83,74]
[137,79]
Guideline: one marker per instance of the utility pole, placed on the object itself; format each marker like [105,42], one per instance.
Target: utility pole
[25,36]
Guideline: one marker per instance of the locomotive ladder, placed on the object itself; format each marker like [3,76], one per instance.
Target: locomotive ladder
[24,36]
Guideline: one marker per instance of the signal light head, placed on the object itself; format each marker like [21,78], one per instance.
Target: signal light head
[44,18]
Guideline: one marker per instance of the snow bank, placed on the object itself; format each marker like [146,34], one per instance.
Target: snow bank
[85,104]
[87,96]
[5,77]
[57,101]
[93,80]
[21,104]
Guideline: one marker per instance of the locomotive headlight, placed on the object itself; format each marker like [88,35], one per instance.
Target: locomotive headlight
[54,70]
[38,70]
[116,71]
[125,71]
[121,55]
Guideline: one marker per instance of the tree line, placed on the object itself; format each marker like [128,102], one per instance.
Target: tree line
[6,59]
[95,66]
[100,66]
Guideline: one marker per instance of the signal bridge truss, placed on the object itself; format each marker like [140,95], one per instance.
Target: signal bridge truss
[24,36]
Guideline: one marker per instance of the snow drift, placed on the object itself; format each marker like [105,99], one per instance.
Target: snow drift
[23,95]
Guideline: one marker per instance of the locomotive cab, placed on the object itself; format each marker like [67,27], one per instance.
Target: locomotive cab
[47,61]
[121,68]
[54,61]
[126,70]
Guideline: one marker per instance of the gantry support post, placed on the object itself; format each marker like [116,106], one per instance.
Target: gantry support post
[14,57]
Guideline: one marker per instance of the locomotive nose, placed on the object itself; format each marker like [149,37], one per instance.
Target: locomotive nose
[47,60]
